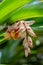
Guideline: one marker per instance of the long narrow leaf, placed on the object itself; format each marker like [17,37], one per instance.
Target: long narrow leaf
[34,9]
[9,6]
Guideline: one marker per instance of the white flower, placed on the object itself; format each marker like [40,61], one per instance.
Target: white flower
[26,48]
[18,29]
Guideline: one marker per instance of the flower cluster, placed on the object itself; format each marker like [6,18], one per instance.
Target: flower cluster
[17,30]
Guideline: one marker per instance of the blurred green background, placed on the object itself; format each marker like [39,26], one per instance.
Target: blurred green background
[12,52]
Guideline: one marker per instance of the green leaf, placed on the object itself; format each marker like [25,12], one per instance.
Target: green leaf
[31,10]
[9,6]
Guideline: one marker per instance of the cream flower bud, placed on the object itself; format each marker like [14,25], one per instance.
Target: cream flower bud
[31,32]
[26,48]
[30,42]
[27,52]
[30,22]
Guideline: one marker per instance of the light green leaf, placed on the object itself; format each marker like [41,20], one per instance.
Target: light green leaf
[9,6]
[34,9]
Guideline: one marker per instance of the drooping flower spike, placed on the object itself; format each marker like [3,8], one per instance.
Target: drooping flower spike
[17,30]
[26,47]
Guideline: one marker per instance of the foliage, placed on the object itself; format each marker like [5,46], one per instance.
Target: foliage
[12,52]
